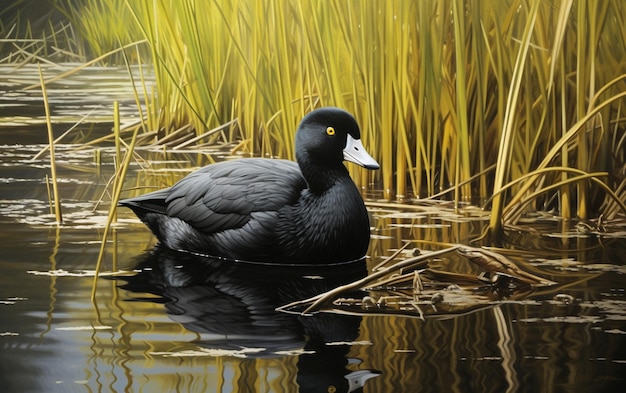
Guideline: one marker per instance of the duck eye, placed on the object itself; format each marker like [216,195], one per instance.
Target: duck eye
[330,131]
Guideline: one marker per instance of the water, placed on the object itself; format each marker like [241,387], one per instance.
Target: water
[162,321]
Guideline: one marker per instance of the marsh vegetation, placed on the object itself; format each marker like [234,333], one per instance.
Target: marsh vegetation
[514,104]
[487,117]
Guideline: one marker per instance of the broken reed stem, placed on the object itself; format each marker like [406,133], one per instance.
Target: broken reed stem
[97,160]
[90,63]
[206,134]
[58,140]
[53,168]
[117,188]
[118,150]
[116,133]
[49,194]
[395,254]
[319,300]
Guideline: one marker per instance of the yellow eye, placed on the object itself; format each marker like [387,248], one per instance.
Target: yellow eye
[330,131]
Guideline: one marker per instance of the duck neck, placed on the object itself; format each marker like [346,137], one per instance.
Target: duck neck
[321,177]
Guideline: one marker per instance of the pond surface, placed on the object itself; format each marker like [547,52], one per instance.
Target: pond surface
[165,321]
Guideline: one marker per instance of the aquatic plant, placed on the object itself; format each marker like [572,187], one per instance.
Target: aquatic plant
[467,97]
[53,169]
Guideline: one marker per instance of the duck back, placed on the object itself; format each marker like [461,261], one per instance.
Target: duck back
[268,210]
[257,210]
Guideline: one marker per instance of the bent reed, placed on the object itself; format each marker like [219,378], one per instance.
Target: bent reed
[500,99]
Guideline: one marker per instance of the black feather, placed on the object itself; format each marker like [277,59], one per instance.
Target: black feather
[266,209]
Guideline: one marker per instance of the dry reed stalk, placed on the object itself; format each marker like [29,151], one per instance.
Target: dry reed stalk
[53,168]
[442,89]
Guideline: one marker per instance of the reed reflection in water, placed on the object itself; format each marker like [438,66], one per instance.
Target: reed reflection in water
[231,306]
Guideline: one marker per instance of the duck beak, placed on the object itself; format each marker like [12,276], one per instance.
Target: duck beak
[356,153]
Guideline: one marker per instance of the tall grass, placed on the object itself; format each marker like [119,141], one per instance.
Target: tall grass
[31,33]
[443,89]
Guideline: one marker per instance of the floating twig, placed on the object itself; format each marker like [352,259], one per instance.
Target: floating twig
[395,254]
[498,263]
[413,285]
[318,301]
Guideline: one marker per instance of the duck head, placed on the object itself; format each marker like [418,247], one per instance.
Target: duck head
[328,136]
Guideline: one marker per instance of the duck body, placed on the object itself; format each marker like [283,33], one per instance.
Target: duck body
[271,210]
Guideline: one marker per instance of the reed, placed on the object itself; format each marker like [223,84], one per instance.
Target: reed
[508,135]
[53,168]
[29,35]
[122,166]
[443,90]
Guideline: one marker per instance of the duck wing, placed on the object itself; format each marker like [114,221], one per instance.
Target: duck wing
[153,202]
[225,195]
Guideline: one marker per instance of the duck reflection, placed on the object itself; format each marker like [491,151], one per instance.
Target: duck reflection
[232,306]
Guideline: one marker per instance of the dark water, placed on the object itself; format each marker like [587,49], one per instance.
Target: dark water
[162,321]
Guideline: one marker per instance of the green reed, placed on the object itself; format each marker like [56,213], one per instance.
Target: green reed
[443,89]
